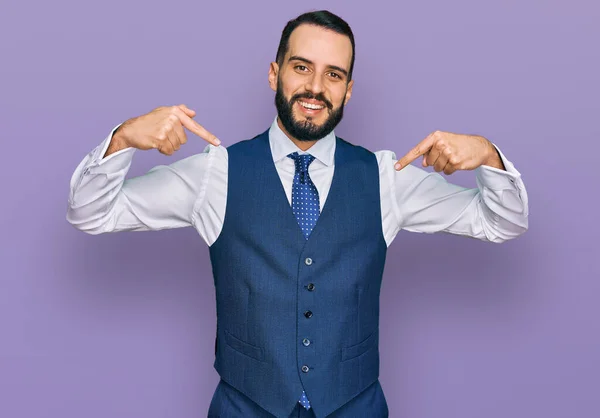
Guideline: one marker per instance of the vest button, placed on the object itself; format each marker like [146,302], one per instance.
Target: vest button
[305,368]
[308,314]
[306,342]
[310,287]
[308,261]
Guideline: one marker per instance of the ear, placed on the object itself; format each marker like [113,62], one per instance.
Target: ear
[348,92]
[273,71]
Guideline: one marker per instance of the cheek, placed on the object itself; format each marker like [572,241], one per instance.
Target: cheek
[291,85]
[338,95]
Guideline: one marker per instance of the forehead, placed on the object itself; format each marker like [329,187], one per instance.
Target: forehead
[322,46]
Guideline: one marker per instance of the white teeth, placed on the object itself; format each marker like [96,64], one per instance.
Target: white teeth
[311,106]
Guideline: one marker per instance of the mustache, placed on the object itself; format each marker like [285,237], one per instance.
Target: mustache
[309,95]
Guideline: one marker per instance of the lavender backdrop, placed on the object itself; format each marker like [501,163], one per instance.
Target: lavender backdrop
[122,325]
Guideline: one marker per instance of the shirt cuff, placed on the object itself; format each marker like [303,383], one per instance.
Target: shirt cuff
[497,179]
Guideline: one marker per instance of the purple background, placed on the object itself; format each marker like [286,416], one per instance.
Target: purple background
[122,325]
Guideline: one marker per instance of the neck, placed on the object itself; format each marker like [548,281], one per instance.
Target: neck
[303,145]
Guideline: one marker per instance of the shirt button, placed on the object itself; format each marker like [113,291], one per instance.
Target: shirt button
[306,342]
[305,368]
[310,287]
[308,314]
[308,261]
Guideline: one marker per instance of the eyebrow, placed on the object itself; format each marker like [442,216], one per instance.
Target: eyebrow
[333,67]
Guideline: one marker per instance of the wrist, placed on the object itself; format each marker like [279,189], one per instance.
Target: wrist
[118,142]
[494,159]
[120,134]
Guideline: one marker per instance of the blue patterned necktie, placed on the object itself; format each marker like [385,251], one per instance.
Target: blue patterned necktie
[305,198]
[305,205]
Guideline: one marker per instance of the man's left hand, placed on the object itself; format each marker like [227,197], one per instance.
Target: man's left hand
[448,152]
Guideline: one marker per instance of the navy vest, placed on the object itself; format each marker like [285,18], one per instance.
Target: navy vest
[296,314]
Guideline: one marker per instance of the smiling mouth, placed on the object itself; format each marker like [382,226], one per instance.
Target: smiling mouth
[310,106]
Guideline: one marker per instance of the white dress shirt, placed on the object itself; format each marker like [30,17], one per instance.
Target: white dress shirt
[193,192]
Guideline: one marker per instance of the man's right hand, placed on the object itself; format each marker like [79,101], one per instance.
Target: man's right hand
[160,129]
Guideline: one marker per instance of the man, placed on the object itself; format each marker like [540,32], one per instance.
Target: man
[298,222]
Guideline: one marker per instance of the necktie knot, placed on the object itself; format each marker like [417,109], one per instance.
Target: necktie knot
[302,161]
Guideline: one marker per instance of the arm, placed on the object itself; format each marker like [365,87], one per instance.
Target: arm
[101,199]
[496,211]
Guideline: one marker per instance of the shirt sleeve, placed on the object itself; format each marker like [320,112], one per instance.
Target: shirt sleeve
[425,202]
[102,200]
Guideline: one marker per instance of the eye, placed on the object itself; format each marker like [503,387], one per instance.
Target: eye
[301,67]
[335,75]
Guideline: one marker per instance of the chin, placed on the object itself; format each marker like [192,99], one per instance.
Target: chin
[308,121]
[317,121]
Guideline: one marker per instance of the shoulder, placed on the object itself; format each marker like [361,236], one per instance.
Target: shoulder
[251,143]
[383,158]
[202,164]
[353,152]
[212,154]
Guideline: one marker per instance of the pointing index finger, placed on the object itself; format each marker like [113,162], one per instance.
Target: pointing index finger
[420,149]
[196,128]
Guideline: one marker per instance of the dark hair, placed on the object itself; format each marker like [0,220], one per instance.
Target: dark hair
[321,18]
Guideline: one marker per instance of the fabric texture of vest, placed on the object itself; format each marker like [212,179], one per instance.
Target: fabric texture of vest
[296,314]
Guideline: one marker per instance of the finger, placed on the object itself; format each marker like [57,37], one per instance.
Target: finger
[421,148]
[454,162]
[449,169]
[165,147]
[191,113]
[440,163]
[432,156]
[172,138]
[196,128]
[180,132]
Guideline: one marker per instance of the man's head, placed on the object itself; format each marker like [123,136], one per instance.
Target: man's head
[312,74]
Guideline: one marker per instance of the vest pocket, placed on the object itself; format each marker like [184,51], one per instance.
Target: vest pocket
[243,347]
[362,347]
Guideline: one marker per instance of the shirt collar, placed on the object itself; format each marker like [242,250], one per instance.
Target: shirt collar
[323,150]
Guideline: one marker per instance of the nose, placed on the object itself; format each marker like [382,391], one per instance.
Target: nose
[315,84]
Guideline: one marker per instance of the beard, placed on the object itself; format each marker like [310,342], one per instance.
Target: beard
[306,130]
